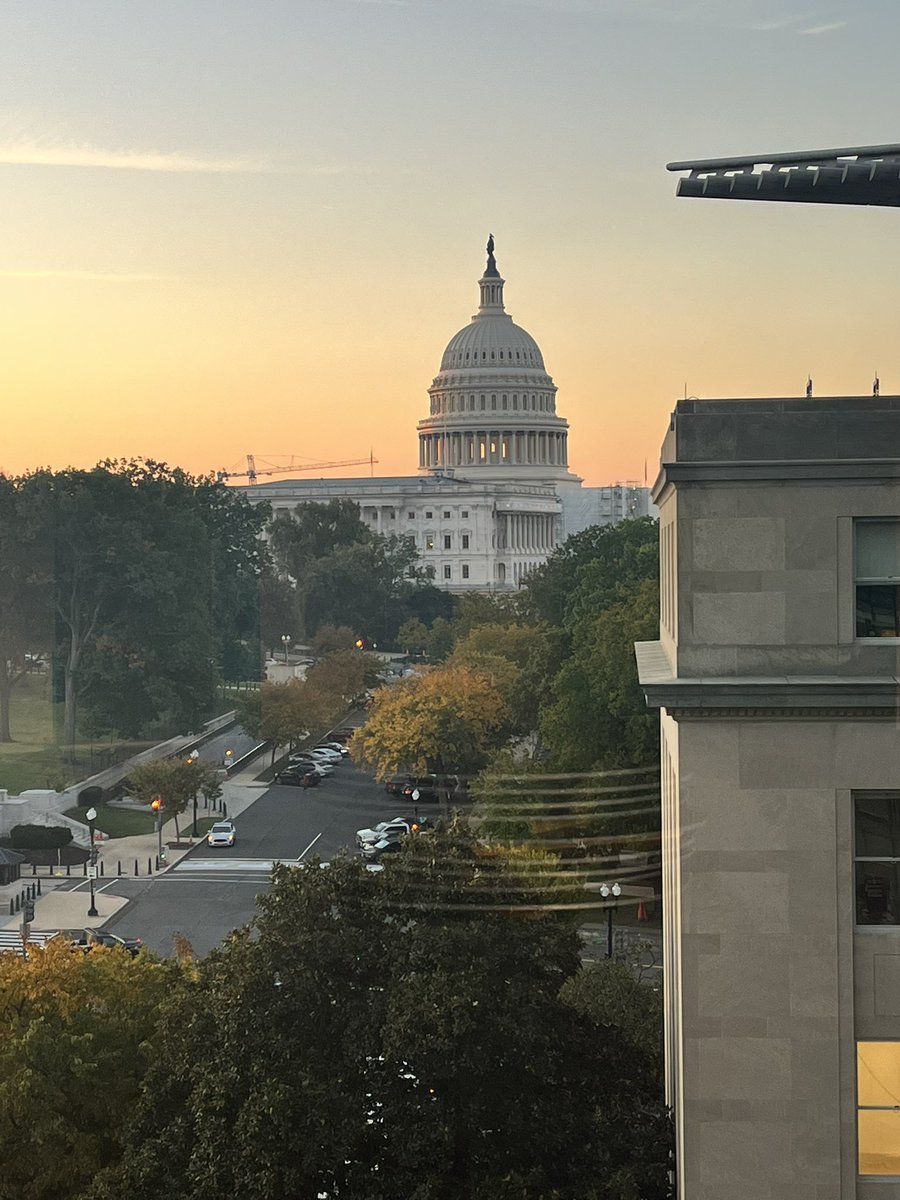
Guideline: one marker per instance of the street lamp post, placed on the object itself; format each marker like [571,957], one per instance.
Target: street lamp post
[91,815]
[605,891]
[285,641]
[195,754]
[157,805]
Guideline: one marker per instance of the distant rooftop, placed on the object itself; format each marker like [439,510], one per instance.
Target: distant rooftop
[835,437]
[841,175]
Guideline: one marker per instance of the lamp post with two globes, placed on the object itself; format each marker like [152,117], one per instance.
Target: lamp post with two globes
[607,890]
[91,816]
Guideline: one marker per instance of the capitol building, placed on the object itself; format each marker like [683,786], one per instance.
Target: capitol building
[494,495]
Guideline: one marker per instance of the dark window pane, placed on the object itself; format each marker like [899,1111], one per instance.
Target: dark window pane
[877,826]
[877,890]
[877,606]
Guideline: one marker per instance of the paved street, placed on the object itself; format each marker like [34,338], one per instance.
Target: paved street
[211,890]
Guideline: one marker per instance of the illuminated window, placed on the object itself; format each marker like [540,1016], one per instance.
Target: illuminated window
[429,541]
[878,579]
[878,1107]
[877,854]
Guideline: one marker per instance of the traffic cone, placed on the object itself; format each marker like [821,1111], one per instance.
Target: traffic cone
[642,912]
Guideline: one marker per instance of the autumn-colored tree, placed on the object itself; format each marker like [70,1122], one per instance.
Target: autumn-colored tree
[443,720]
[281,713]
[344,674]
[78,1035]
[175,780]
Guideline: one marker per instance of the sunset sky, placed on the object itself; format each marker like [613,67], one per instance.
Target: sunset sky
[231,227]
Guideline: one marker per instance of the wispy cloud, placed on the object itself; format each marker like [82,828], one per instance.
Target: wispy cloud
[101,276]
[813,30]
[23,151]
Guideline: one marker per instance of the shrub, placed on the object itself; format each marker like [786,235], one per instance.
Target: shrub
[90,795]
[39,837]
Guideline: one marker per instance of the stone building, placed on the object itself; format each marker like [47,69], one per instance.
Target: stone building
[776,676]
[494,495]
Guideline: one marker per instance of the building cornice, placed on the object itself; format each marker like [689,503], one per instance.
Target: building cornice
[800,697]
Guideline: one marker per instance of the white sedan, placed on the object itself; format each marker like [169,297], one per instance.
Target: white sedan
[222,833]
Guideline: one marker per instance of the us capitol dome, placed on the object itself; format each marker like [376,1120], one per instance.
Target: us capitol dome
[493,496]
[492,409]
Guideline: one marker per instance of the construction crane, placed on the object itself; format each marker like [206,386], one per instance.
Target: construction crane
[253,471]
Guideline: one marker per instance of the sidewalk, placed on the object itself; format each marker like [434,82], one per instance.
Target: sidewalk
[59,907]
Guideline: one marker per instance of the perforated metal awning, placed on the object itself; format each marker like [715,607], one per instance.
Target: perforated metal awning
[843,175]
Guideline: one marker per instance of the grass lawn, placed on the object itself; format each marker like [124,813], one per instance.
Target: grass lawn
[117,822]
[33,759]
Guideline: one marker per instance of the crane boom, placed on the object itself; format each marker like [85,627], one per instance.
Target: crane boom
[253,471]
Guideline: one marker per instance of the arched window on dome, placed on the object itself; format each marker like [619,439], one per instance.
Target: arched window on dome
[483,355]
[493,401]
[482,403]
[501,353]
[471,404]
[492,355]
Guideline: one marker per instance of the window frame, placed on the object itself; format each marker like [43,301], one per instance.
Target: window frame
[886,859]
[868,1108]
[873,581]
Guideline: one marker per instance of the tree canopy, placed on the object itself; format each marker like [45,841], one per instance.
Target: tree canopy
[396,1035]
[440,719]
[79,1031]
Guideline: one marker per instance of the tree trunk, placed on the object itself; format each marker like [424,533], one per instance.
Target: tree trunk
[69,710]
[5,695]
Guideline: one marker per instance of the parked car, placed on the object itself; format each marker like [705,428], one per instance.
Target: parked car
[305,761]
[375,851]
[338,747]
[342,734]
[299,777]
[394,829]
[222,833]
[425,785]
[395,785]
[99,937]
[325,754]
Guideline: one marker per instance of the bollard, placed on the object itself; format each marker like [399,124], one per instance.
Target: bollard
[157,862]
[149,866]
[17,903]
[34,868]
[50,868]
[136,867]
[84,868]
[119,867]
[12,911]
[101,867]
[68,868]
[39,887]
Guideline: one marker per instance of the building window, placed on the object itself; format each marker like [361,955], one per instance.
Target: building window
[429,541]
[465,570]
[446,514]
[428,515]
[878,1107]
[446,572]
[465,541]
[878,579]
[446,541]
[877,853]
[411,516]
[465,514]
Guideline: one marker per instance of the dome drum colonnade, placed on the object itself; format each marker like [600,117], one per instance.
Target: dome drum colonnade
[492,365]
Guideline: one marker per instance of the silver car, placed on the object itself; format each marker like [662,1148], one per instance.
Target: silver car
[222,833]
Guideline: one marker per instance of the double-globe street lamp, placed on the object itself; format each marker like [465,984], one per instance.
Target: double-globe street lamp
[91,816]
[607,890]
[285,641]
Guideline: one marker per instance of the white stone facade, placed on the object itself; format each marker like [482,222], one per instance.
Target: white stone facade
[494,495]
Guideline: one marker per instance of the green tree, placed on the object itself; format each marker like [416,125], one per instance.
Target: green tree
[608,560]
[598,717]
[279,610]
[333,637]
[412,636]
[313,531]
[79,1031]
[26,574]
[440,641]
[344,675]
[395,1035]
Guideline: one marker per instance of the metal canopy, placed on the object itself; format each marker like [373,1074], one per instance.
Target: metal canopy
[844,175]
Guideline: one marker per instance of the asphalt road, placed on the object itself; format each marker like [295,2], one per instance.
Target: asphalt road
[213,890]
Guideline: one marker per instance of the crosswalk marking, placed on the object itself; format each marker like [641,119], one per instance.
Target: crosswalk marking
[262,866]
